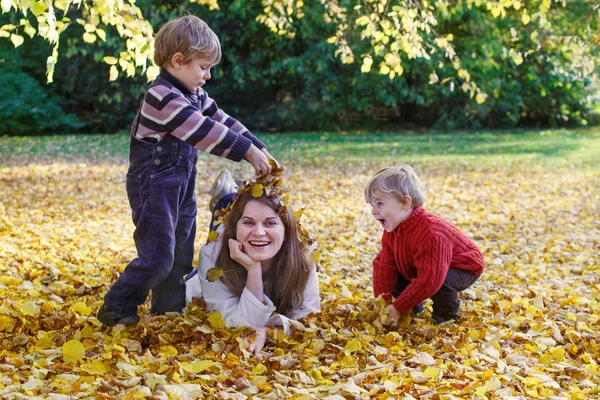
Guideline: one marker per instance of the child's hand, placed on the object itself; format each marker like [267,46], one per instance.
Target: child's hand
[258,344]
[259,161]
[269,156]
[236,252]
[394,314]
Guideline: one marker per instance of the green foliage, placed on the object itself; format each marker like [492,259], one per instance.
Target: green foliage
[280,72]
[26,107]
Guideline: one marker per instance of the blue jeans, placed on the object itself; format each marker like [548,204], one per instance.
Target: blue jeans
[160,188]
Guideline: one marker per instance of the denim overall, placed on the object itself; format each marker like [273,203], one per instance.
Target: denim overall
[160,187]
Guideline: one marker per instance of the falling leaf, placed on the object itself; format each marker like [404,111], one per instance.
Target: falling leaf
[213,274]
[213,236]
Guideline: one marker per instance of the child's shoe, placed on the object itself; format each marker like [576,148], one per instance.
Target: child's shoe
[446,319]
[418,309]
[110,318]
[223,185]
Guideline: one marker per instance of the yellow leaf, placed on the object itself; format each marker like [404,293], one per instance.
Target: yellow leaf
[110,60]
[6,324]
[96,367]
[480,99]
[17,40]
[152,72]
[257,190]
[384,69]
[212,236]
[73,350]
[30,309]
[352,346]
[315,256]
[154,379]
[114,73]
[89,37]
[213,274]
[431,372]
[493,384]
[316,374]
[215,320]
[525,18]
[558,353]
[168,351]
[197,367]
[81,308]
[38,8]
[487,375]
[463,74]
[259,369]
[101,34]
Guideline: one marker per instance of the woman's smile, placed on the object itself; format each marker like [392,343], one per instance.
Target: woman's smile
[261,232]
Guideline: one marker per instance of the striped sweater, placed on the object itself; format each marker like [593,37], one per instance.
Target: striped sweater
[169,107]
[422,249]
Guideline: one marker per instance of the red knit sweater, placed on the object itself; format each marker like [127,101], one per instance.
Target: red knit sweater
[422,249]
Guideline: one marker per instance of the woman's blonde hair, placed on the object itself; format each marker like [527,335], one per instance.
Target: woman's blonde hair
[286,277]
[398,181]
[189,36]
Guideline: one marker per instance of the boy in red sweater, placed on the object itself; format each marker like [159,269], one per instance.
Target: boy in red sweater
[422,255]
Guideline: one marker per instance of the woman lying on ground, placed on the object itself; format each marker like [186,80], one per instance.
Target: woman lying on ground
[267,273]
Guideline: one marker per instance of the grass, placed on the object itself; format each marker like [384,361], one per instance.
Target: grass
[563,146]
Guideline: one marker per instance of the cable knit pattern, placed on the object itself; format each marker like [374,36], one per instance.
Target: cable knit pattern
[422,249]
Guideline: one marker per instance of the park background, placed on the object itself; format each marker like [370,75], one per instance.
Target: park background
[496,107]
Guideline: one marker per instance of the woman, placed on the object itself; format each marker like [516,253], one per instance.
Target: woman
[267,273]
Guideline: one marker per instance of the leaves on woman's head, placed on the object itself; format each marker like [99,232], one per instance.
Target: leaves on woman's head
[257,190]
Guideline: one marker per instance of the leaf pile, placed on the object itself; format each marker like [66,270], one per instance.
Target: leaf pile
[530,325]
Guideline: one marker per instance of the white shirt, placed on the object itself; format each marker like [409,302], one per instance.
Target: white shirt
[246,310]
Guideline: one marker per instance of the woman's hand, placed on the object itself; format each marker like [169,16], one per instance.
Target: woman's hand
[258,344]
[236,252]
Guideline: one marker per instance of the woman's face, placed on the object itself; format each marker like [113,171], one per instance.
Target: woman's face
[261,232]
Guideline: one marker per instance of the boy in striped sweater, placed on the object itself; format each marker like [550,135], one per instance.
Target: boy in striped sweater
[176,119]
[422,256]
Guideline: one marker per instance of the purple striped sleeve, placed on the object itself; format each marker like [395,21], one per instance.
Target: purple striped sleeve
[167,111]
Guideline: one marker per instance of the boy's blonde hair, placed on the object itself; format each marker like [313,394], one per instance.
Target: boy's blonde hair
[189,36]
[398,181]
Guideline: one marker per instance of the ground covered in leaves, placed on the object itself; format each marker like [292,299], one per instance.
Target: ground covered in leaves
[530,326]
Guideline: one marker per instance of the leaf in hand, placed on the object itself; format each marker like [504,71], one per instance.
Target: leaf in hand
[213,274]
